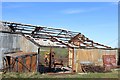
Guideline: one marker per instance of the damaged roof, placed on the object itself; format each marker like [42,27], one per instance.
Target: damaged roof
[60,37]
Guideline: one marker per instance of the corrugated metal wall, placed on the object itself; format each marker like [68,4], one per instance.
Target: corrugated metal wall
[13,42]
[8,43]
[26,45]
[91,55]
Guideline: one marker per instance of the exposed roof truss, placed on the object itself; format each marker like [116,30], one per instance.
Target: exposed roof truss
[60,36]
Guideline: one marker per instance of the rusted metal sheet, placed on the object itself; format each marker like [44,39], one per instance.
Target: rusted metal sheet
[109,61]
[92,55]
[21,62]
[20,54]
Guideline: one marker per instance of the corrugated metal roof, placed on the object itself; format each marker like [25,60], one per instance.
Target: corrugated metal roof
[61,36]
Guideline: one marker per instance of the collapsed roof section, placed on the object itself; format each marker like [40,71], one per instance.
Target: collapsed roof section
[59,37]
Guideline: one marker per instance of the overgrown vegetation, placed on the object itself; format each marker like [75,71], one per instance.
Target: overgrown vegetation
[59,53]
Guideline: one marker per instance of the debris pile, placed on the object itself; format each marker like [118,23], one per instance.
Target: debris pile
[92,68]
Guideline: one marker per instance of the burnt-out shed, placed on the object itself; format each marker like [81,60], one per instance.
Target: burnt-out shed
[77,44]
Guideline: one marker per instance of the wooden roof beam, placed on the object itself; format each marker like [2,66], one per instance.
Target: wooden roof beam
[61,42]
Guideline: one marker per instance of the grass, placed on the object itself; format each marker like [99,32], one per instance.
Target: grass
[113,74]
[58,51]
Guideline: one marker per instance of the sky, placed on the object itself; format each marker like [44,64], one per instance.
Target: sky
[60,0]
[96,20]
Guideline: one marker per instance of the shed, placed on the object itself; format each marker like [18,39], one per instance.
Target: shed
[77,43]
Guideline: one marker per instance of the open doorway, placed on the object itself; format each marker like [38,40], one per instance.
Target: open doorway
[54,60]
